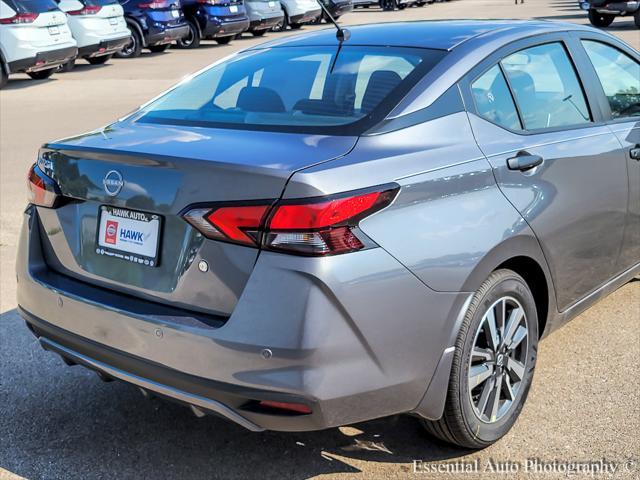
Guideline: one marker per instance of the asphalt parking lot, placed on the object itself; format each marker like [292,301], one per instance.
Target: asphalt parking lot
[60,422]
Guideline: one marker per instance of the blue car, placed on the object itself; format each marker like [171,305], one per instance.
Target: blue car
[154,24]
[220,20]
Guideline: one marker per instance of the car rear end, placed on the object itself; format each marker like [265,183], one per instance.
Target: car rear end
[222,18]
[37,37]
[338,8]
[263,14]
[302,11]
[163,21]
[99,28]
[183,250]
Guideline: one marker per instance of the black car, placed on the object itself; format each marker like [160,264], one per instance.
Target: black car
[154,24]
[220,20]
[602,12]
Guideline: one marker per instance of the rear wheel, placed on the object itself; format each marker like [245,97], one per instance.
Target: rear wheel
[67,67]
[99,60]
[282,26]
[193,38]
[224,40]
[42,74]
[258,33]
[159,48]
[134,48]
[4,78]
[600,19]
[493,364]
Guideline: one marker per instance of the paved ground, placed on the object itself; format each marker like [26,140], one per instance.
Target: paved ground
[57,422]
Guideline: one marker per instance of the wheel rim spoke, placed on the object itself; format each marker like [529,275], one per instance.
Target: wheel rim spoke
[487,389]
[483,354]
[518,337]
[491,332]
[479,374]
[508,389]
[495,398]
[516,368]
[515,317]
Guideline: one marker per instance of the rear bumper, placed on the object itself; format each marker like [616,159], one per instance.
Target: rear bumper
[162,36]
[260,22]
[43,60]
[341,9]
[106,47]
[337,341]
[306,17]
[218,27]
[614,8]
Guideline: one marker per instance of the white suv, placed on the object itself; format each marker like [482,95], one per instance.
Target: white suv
[99,28]
[34,38]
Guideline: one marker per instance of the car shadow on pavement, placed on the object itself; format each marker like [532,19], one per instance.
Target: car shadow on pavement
[62,422]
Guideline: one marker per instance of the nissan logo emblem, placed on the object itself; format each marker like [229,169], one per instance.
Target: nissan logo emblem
[113,183]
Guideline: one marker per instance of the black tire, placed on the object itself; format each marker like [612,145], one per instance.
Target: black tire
[101,60]
[636,18]
[193,39]
[282,26]
[42,74]
[224,40]
[402,6]
[259,33]
[421,4]
[4,78]
[462,423]
[68,66]
[600,19]
[159,48]
[388,5]
[295,26]
[134,48]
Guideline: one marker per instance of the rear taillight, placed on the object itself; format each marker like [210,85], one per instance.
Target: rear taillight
[43,190]
[316,226]
[87,10]
[19,18]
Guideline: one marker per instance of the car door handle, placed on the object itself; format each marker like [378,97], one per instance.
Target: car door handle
[524,161]
[635,152]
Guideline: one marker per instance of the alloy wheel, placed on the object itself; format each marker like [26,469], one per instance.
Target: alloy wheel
[498,360]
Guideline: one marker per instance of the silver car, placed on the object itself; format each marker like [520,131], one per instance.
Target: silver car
[297,13]
[263,15]
[316,232]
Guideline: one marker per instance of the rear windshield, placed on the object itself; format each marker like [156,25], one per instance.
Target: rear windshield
[32,6]
[296,89]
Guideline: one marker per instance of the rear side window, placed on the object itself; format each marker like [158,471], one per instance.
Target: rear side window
[546,87]
[318,90]
[493,99]
[620,78]
[32,6]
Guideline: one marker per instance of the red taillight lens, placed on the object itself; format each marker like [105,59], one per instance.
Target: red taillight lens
[43,191]
[154,5]
[238,224]
[295,408]
[87,10]
[19,18]
[317,226]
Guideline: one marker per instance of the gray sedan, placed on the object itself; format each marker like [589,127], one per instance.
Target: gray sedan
[327,229]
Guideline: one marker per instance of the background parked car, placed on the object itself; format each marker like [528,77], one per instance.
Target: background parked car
[98,27]
[34,38]
[603,12]
[263,15]
[336,8]
[297,13]
[220,20]
[154,24]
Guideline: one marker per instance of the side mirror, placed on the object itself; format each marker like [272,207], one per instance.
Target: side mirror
[6,11]
[70,5]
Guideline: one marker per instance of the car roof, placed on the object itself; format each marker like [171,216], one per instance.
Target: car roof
[436,34]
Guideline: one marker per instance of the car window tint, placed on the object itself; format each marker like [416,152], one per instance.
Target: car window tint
[620,78]
[546,87]
[32,6]
[300,89]
[493,99]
